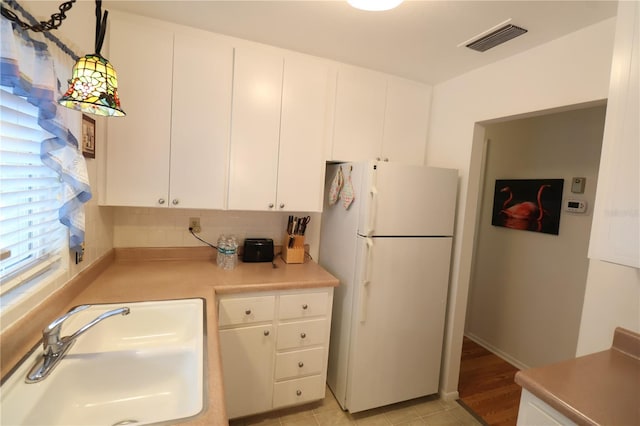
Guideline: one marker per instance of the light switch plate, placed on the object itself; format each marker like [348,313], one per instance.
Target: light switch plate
[577,185]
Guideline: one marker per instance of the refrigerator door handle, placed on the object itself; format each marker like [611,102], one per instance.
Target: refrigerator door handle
[367,280]
[373,208]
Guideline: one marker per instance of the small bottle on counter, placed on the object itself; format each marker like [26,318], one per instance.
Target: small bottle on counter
[231,250]
[222,242]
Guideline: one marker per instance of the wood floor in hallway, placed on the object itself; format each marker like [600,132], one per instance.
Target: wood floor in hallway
[486,385]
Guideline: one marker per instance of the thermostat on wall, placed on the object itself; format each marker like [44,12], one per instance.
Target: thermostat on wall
[575,206]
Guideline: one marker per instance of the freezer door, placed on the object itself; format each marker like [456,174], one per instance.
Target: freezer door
[402,199]
[398,320]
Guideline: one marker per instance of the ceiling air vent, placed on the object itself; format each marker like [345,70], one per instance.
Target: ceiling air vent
[497,37]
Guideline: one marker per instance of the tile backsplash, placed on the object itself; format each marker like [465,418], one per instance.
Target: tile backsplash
[167,227]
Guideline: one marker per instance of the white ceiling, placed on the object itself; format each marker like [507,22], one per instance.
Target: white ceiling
[417,40]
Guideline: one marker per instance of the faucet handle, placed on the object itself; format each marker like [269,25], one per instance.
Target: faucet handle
[51,333]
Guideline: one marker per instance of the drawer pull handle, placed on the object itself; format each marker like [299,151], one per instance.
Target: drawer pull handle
[248,312]
[301,364]
[303,335]
[298,392]
[305,306]
[266,332]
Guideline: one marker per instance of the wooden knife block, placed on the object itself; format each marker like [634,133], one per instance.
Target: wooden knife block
[294,254]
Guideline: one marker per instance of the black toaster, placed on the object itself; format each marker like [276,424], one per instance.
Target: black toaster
[258,250]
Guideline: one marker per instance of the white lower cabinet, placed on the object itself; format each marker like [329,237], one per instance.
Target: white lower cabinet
[535,412]
[274,348]
[248,370]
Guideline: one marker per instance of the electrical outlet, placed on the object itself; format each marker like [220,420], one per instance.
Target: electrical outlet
[80,254]
[194,224]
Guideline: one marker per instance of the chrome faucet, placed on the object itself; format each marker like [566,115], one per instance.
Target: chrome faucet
[55,347]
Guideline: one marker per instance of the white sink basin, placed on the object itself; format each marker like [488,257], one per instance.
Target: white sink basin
[145,367]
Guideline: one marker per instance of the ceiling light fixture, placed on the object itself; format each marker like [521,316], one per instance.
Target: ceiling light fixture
[375,5]
[93,87]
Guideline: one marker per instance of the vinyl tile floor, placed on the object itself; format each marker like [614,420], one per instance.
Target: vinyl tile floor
[430,410]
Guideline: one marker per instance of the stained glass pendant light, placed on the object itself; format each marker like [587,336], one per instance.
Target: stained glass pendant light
[93,87]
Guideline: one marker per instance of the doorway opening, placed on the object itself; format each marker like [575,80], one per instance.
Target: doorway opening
[527,288]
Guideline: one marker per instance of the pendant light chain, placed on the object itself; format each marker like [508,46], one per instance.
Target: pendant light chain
[101,26]
[51,24]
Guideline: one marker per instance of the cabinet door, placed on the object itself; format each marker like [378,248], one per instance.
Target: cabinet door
[255,129]
[535,412]
[359,115]
[616,222]
[201,121]
[406,121]
[303,133]
[247,368]
[137,149]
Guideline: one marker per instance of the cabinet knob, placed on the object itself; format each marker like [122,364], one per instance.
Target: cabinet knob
[270,205]
[298,392]
[175,202]
[305,306]
[248,312]
[386,159]
[282,205]
[301,364]
[266,332]
[303,335]
[160,200]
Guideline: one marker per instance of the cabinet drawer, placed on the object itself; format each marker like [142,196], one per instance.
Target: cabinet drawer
[303,305]
[299,363]
[245,310]
[301,334]
[298,391]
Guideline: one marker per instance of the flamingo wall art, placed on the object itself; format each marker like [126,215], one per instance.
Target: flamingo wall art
[528,204]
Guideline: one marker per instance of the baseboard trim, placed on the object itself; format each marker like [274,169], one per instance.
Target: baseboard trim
[448,396]
[499,353]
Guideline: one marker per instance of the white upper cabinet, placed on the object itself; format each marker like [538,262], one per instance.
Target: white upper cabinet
[137,148]
[278,133]
[616,218]
[378,116]
[200,125]
[406,121]
[303,133]
[359,115]
[171,150]
[255,129]
[215,122]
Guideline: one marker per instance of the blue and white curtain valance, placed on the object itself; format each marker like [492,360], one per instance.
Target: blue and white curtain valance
[35,72]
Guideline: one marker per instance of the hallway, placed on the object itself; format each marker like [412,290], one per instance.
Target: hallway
[486,385]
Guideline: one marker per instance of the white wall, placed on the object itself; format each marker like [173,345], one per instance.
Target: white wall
[612,299]
[527,288]
[570,70]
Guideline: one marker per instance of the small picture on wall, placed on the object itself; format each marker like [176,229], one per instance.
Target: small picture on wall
[528,204]
[88,137]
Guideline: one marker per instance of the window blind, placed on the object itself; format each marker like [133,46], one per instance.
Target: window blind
[31,236]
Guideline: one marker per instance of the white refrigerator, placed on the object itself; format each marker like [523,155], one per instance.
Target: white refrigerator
[391,251]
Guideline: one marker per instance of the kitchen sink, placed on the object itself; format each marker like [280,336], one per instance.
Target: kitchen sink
[145,367]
